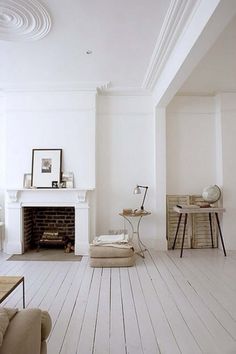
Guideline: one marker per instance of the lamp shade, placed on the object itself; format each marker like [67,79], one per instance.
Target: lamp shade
[137,190]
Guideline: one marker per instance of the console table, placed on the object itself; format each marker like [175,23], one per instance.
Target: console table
[190,210]
[135,228]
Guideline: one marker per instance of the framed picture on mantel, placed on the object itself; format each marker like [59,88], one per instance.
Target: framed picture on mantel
[46,168]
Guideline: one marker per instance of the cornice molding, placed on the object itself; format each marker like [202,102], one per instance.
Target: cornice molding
[89,87]
[177,18]
[122,91]
[23,20]
[101,88]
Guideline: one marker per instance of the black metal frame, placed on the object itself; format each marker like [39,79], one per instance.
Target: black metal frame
[185,223]
[33,169]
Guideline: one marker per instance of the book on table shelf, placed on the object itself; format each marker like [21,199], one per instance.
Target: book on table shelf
[188,206]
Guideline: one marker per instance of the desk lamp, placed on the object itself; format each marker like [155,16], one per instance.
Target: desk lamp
[137,190]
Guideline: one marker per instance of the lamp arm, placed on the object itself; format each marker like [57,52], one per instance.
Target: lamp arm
[144,197]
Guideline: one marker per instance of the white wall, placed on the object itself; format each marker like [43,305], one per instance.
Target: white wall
[160,168]
[227,111]
[47,120]
[125,157]
[50,119]
[191,148]
[2,153]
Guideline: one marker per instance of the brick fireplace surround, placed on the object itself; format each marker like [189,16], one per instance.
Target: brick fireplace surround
[18,199]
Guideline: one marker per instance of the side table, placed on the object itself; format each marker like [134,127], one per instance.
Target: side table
[190,210]
[10,283]
[135,228]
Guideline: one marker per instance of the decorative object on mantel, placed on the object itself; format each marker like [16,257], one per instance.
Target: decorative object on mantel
[55,184]
[137,190]
[27,180]
[46,167]
[67,180]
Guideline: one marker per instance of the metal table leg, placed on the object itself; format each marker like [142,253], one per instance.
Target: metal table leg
[221,236]
[139,242]
[23,284]
[177,230]
[212,243]
[185,223]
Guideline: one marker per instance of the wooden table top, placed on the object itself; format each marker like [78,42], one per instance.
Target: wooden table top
[8,284]
[144,213]
[192,210]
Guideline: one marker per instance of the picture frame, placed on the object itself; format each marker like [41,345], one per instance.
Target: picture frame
[27,180]
[46,167]
[68,179]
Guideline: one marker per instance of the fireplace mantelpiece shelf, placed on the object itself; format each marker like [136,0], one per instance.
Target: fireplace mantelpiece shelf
[18,198]
[14,193]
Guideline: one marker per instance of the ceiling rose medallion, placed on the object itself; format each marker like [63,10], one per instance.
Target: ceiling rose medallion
[23,20]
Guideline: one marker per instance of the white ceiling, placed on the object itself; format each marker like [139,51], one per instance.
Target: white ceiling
[121,34]
[216,72]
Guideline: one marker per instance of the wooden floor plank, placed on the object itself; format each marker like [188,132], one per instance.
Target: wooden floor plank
[147,333]
[55,286]
[132,332]
[64,315]
[163,332]
[218,288]
[117,330]
[191,317]
[102,331]
[200,285]
[183,335]
[74,328]
[221,337]
[164,304]
[86,341]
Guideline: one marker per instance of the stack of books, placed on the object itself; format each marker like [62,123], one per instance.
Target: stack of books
[185,206]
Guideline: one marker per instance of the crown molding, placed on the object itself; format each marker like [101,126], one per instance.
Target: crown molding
[204,93]
[124,91]
[89,87]
[102,88]
[177,18]
[23,20]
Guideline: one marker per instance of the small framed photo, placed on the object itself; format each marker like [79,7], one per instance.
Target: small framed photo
[46,167]
[63,184]
[55,184]
[68,179]
[27,180]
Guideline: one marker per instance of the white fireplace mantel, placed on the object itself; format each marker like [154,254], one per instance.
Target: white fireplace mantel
[17,199]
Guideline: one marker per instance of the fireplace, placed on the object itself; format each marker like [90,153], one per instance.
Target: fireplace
[62,202]
[48,226]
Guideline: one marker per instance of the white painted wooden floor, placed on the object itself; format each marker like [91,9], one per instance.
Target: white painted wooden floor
[162,305]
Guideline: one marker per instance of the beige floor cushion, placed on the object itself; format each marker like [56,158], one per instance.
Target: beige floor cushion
[110,252]
[112,262]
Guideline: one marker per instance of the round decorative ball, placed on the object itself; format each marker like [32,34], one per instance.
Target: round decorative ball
[211,194]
